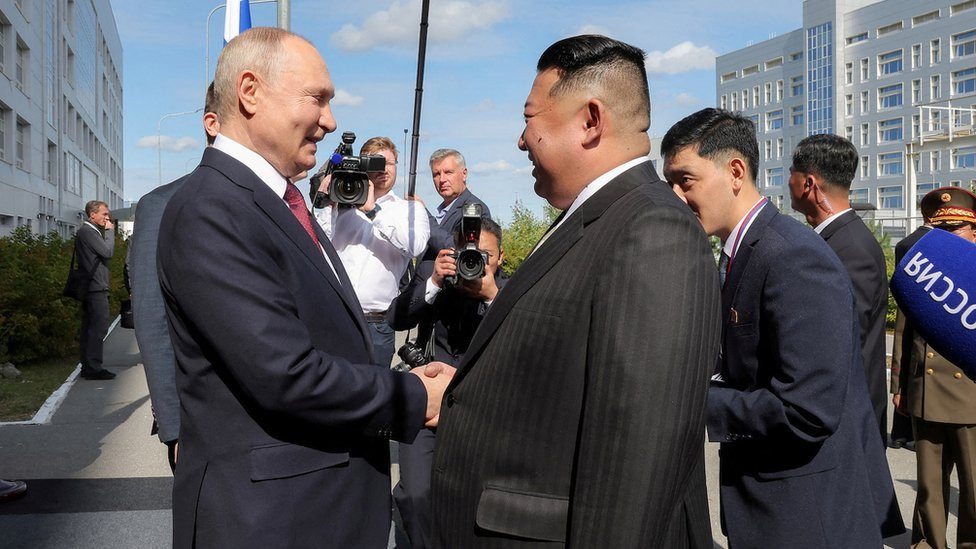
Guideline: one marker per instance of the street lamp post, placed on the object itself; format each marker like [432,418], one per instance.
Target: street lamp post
[159,141]
[283,12]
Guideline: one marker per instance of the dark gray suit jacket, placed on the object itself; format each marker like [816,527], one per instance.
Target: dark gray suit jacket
[94,248]
[149,312]
[577,414]
[864,261]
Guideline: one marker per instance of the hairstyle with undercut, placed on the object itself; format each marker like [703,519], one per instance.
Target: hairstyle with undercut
[611,70]
[829,157]
[718,134]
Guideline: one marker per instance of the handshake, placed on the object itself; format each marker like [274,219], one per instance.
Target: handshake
[435,376]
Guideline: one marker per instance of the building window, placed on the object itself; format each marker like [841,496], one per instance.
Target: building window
[964,43]
[796,56]
[848,105]
[779,91]
[774,120]
[23,144]
[889,28]
[734,98]
[4,132]
[925,17]
[755,121]
[962,6]
[779,147]
[750,70]
[891,164]
[849,73]
[773,63]
[769,92]
[865,167]
[769,150]
[935,91]
[745,99]
[964,81]
[916,56]
[935,161]
[916,91]
[857,38]
[723,102]
[864,69]
[849,133]
[864,134]
[964,157]
[889,97]
[889,130]
[796,114]
[915,126]
[934,48]
[796,86]
[4,33]
[52,163]
[890,198]
[23,57]
[755,96]
[859,195]
[889,63]
[728,76]
[820,79]
[774,177]
[865,99]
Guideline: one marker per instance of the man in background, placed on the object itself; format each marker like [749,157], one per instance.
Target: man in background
[376,241]
[820,184]
[450,174]
[148,308]
[94,246]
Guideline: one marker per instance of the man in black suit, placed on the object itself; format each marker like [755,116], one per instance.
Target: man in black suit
[820,184]
[148,308]
[576,415]
[788,401]
[285,418]
[450,174]
[449,314]
[94,246]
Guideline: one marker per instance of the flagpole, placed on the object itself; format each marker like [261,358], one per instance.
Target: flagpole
[284,14]
[414,142]
[206,49]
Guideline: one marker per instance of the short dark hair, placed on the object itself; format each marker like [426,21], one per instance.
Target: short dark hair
[594,60]
[715,132]
[831,157]
[487,225]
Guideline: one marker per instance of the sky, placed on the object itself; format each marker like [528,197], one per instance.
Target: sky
[480,63]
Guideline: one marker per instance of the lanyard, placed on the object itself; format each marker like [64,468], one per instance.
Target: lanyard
[742,228]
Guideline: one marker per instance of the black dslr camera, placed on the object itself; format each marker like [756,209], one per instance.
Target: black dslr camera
[350,182]
[412,355]
[469,259]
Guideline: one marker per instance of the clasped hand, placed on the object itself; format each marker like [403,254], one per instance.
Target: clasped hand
[435,376]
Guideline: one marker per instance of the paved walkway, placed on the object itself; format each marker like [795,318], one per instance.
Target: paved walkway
[97,479]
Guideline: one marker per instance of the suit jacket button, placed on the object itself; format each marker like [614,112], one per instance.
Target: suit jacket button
[929,354]
[957,375]
[451,399]
[930,371]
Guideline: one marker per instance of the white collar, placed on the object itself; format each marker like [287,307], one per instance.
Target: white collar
[598,184]
[823,225]
[732,243]
[254,161]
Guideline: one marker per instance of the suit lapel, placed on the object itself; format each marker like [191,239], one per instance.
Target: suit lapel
[545,258]
[837,224]
[741,258]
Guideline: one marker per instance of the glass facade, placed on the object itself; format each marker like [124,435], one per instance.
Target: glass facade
[820,79]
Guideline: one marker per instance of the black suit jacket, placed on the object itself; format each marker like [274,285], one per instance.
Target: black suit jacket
[284,423]
[864,261]
[577,413]
[801,464]
[149,312]
[94,248]
[442,235]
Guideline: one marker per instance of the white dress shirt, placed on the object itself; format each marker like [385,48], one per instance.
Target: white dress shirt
[265,172]
[823,225]
[375,252]
[735,237]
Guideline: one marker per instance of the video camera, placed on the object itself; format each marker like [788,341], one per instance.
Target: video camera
[350,179]
[469,260]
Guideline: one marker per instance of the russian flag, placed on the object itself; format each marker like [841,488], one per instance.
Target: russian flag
[237,19]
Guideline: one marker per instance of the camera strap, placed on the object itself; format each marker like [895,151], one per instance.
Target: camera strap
[425,339]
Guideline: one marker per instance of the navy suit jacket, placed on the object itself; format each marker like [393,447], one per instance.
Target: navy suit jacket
[285,421]
[149,312]
[442,235]
[864,261]
[801,464]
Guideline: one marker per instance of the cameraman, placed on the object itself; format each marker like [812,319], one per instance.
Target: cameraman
[375,242]
[450,313]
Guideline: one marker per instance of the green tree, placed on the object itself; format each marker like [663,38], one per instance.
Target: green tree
[522,234]
[884,239]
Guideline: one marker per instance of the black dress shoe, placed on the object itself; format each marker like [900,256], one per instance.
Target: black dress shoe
[909,445]
[12,489]
[97,374]
[897,442]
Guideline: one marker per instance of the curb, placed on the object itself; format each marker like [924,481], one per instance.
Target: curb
[53,402]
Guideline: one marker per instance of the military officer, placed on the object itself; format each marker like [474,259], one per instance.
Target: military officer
[941,401]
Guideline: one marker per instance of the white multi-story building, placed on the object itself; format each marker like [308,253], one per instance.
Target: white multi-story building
[60,112]
[896,77]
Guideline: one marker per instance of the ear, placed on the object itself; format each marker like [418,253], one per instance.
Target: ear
[737,169]
[594,122]
[247,90]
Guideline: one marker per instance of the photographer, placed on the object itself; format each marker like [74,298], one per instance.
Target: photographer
[375,241]
[450,314]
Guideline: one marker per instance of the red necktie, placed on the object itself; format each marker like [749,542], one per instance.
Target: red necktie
[296,202]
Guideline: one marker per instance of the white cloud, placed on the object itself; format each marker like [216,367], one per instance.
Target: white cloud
[491,167]
[524,169]
[167,143]
[400,24]
[342,97]
[684,57]
[686,99]
[486,105]
[593,29]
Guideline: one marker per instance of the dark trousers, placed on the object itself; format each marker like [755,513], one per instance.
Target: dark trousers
[412,493]
[940,447]
[94,326]
[382,336]
[901,427]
